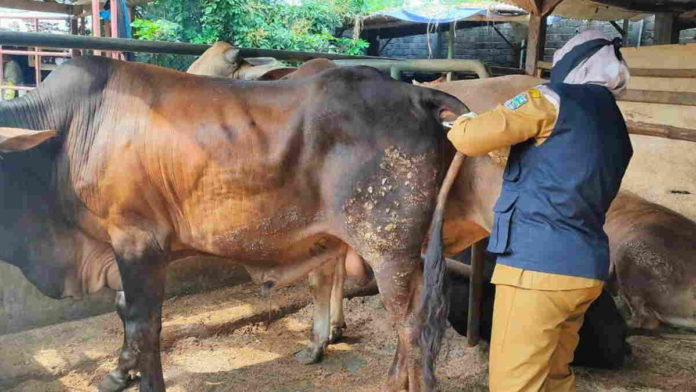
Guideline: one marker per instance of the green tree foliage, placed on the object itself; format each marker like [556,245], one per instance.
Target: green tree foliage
[310,25]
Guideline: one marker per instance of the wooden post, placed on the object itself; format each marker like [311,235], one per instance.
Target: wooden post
[114,24]
[96,24]
[450,45]
[74,30]
[624,35]
[475,293]
[373,41]
[666,31]
[37,57]
[536,41]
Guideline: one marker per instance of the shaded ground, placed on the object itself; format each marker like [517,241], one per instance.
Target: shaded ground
[219,342]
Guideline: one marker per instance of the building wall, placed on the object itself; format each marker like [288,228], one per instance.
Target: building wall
[483,43]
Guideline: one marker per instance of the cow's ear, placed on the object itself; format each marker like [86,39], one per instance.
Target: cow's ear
[17,139]
[277,74]
[256,61]
[232,56]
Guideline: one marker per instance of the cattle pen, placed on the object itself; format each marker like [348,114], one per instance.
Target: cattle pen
[229,337]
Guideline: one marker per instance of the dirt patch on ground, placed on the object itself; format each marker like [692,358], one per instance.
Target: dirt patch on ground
[247,355]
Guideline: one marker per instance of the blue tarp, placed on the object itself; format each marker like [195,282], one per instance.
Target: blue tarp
[456,13]
[124,25]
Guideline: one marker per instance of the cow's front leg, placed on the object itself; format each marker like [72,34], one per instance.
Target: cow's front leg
[400,282]
[141,262]
[321,285]
[124,375]
[338,321]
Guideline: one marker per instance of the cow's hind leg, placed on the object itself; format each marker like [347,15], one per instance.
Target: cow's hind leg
[321,282]
[643,319]
[400,283]
[338,321]
[142,263]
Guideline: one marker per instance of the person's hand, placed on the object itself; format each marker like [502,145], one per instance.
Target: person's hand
[468,115]
[465,116]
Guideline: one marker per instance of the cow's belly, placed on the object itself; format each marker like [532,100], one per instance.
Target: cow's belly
[275,224]
[278,243]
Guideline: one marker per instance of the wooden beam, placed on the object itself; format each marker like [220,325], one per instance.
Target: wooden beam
[40,6]
[688,15]
[650,7]
[663,97]
[548,6]
[535,42]
[664,72]
[660,130]
[685,73]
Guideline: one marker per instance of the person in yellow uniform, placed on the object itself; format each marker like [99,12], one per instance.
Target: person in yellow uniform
[569,152]
[12,73]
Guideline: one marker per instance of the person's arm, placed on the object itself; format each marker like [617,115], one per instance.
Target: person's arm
[531,114]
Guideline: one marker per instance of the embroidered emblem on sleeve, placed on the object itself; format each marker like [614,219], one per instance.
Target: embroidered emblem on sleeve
[516,101]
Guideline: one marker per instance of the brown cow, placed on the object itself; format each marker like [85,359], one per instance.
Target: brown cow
[223,60]
[282,176]
[336,323]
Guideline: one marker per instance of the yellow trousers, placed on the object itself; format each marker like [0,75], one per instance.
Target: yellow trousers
[535,333]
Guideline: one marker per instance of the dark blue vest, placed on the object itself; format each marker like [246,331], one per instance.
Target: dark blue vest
[552,207]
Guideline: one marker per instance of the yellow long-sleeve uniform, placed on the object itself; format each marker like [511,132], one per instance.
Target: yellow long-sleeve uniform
[537,315]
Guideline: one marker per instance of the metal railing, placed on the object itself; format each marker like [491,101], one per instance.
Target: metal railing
[396,67]
[134,45]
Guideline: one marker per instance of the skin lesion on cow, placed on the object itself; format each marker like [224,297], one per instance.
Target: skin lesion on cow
[377,213]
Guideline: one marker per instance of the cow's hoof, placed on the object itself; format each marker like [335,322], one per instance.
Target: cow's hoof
[336,333]
[310,355]
[115,383]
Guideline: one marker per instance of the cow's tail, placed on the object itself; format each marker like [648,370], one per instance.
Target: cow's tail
[445,106]
[434,296]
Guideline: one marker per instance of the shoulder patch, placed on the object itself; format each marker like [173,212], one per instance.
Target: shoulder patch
[516,101]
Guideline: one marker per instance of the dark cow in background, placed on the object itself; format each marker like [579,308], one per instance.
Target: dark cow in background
[283,177]
[602,336]
[653,254]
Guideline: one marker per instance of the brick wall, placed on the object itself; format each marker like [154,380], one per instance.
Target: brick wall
[485,44]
